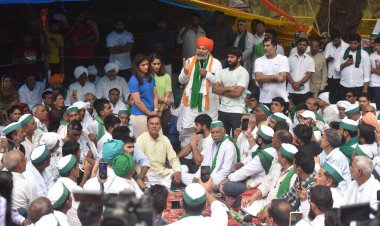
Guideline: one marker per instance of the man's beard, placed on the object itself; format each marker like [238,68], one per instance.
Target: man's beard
[232,65]
[311,214]
[202,57]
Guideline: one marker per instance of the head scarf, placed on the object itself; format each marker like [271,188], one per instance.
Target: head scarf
[79,71]
[123,164]
[57,78]
[49,139]
[206,42]
[110,66]
[111,149]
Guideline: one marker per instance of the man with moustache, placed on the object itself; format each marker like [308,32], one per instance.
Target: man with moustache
[231,87]
[301,70]
[198,75]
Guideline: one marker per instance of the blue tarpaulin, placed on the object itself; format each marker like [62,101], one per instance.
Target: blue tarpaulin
[37,1]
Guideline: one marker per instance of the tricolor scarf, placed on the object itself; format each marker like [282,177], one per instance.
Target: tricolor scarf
[358,56]
[100,127]
[259,50]
[346,148]
[265,158]
[196,96]
[285,184]
[217,151]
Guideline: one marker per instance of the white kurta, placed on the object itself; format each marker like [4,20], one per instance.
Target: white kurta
[30,145]
[104,85]
[118,184]
[43,182]
[218,217]
[88,87]
[118,106]
[269,188]
[40,125]
[244,147]
[205,142]
[23,192]
[62,218]
[71,186]
[366,192]
[224,163]
[107,136]
[188,115]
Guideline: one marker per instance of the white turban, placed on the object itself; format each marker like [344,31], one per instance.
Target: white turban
[92,70]
[49,139]
[81,105]
[111,66]
[79,71]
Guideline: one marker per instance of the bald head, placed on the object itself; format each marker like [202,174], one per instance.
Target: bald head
[12,159]
[279,210]
[39,208]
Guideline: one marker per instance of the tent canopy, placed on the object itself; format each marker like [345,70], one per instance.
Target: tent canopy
[36,1]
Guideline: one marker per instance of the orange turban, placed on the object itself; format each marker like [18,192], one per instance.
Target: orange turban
[57,78]
[206,42]
[370,119]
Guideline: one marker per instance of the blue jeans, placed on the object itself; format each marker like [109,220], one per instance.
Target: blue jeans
[234,189]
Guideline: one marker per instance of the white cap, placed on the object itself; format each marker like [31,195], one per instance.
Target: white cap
[325,97]
[309,114]
[81,105]
[39,154]
[111,66]
[93,184]
[352,109]
[342,104]
[49,139]
[288,150]
[58,194]
[79,71]
[266,132]
[194,194]
[92,70]
[25,119]
[66,163]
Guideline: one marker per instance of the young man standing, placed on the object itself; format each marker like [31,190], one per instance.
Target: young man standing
[374,83]
[231,87]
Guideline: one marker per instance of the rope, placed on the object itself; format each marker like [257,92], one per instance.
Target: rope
[315,19]
[328,18]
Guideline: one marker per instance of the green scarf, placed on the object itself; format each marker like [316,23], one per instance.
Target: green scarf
[347,149]
[292,113]
[196,97]
[378,117]
[100,127]
[285,184]
[259,50]
[63,122]
[217,151]
[318,117]
[265,158]
[358,56]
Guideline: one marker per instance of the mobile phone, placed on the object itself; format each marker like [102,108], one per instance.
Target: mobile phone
[88,196]
[74,94]
[176,204]
[244,124]
[103,170]
[205,173]
[294,218]
[350,57]
[378,195]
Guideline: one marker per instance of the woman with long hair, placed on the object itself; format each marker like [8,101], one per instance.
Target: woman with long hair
[14,113]
[8,93]
[164,90]
[142,86]
[57,111]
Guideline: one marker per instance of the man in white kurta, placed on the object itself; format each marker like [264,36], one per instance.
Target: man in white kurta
[202,67]
[112,80]
[78,89]
[36,172]
[221,156]
[32,134]
[269,189]
[363,188]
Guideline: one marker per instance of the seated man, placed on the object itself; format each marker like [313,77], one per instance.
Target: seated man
[158,149]
[278,213]
[348,129]
[190,155]
[15,135]
[275,184]
[363,188]
[221,156]
[303,136]
[256,169]
[193,203]
[32,135]
[353,112]
[61,200]
[124,167]
[279,117]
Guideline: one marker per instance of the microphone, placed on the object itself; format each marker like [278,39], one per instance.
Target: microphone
[201,62]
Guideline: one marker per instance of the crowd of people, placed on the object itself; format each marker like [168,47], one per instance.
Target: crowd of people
[278,133]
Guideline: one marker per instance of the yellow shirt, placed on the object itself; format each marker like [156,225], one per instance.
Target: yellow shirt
[55,43]
[158,151]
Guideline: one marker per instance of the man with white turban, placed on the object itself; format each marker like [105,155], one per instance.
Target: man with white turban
[92,74]
[80,87]
[110,81]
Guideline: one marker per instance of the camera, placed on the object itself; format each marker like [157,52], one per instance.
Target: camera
[127,210]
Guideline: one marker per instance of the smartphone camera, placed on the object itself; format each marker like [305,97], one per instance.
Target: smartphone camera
[103,170]
[244,124]
[205,173]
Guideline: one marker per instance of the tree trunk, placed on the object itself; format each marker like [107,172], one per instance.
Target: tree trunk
[345,15]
